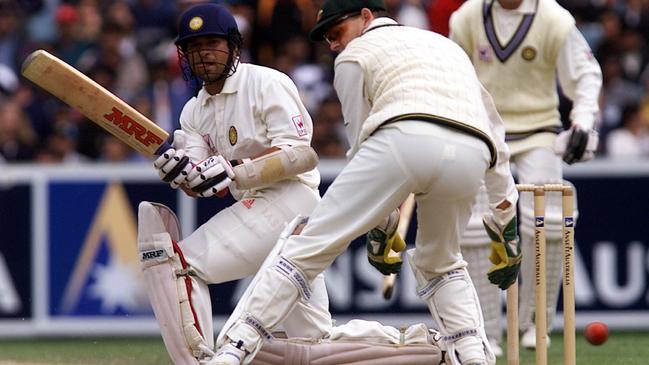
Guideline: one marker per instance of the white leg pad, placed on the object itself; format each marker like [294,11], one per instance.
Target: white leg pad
[453,303]
[357,342]
[477,258]
[185,322]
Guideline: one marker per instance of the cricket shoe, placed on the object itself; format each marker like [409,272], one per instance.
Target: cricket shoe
[229,354]
[528,340]
[495,347]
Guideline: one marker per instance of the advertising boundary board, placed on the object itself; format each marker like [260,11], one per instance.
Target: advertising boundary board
[631,282]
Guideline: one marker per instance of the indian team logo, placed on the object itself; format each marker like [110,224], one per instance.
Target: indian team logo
[528,53]
[196,23]
[233,135]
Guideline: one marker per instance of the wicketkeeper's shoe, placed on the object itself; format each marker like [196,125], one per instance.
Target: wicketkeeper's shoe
[528,340]
[230,354]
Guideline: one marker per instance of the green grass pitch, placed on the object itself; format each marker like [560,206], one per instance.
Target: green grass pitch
[628,348]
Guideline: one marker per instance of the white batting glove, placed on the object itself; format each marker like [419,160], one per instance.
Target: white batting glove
[210,176]
[172,165]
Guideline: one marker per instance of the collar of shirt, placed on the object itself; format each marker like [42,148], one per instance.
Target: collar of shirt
[231,85]
[380,22]
[526,7]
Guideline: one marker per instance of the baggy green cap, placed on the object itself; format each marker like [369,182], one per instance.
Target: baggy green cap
[333,10]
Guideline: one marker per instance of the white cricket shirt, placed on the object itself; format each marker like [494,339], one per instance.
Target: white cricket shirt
[258,108]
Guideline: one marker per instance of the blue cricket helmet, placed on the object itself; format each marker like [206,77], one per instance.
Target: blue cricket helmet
[207,19]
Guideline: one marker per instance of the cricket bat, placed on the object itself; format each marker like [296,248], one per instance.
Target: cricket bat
[405,215]
[95,102]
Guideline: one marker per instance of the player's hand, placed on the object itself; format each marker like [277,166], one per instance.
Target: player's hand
[505,251]
[381,240]
[211,176]
[576,144]
[172,165]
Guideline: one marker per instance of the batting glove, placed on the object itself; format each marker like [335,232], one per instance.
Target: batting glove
[505,252]
[172,165]
[381,240]
[211,176]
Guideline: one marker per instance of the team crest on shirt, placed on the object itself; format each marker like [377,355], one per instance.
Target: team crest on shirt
[299,125]
[528,53]
[484,53]
[233,136]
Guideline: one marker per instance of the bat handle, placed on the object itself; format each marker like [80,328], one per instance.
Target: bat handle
[164,146]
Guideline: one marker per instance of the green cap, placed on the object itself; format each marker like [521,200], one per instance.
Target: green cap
[333,10]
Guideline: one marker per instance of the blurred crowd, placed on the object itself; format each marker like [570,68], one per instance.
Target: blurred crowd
[127,46]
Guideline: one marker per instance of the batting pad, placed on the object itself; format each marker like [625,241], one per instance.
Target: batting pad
[180,302]
[356,343]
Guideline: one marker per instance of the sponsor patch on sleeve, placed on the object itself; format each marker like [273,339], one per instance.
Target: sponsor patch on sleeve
[299,125]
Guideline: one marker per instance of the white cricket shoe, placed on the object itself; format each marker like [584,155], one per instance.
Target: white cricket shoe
[528,340]
[495,347]
[228,355]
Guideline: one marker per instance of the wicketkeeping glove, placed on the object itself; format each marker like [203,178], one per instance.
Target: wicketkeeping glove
[505,252]
[576,144]
[381,240]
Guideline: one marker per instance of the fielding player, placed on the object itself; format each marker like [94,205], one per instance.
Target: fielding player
[243,118]
[518,47]
[418,121]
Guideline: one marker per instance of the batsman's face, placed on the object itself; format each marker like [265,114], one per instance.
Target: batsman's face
[208,56]
[343,32]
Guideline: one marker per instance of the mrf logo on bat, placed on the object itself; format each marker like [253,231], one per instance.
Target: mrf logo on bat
[132,128]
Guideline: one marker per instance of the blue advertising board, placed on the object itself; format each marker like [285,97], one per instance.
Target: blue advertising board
[15,252]
[68,253]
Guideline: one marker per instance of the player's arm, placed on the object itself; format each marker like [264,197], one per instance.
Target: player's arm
[501,223]
[349,85]
[580,77]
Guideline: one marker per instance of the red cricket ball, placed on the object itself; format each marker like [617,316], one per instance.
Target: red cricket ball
[596,333]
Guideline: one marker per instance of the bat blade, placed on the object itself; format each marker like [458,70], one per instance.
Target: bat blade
[95,102]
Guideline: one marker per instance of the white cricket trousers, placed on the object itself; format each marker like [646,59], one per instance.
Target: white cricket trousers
[234,243]
[442,167]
